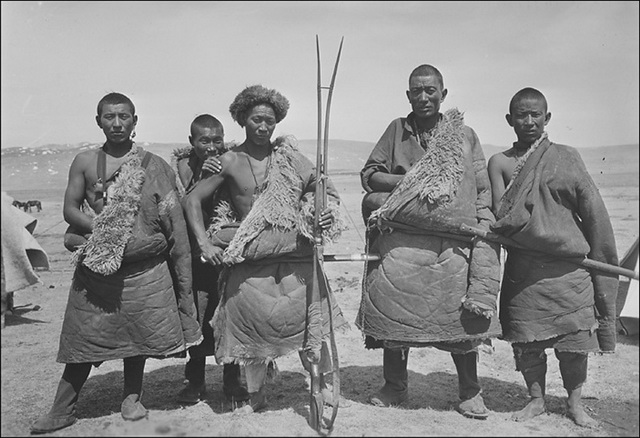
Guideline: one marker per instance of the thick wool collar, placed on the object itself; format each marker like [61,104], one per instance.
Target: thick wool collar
[436,176]
[112,228]
[522,160]
[278,204]
[188,152]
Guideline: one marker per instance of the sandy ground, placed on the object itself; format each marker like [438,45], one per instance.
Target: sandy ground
[30,374]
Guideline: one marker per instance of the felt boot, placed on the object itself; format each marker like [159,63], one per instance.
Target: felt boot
[396,387]
[62,413]
[231,384]
[195,389]
[192,393]
[472,404]
[256,402]
[132,409]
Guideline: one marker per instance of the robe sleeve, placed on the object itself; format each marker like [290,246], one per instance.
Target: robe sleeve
[484,268]
[174,227]
[381,157]
[598,231]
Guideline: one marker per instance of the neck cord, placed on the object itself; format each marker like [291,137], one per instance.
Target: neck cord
[256,190]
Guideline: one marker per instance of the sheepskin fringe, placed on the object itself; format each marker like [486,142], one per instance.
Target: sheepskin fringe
[223,214]
[435,178]
[112,228]
[277,203]
[474,308]
[306,219]
[177,155]
[187,152]
[522,160]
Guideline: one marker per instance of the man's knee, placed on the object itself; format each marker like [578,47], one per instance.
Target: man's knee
[527,359]
[573,369]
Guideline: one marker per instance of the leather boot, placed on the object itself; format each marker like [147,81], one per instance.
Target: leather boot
[62,413]
[396,387]
[231,384]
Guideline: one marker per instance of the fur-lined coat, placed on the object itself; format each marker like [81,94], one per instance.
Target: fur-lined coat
[131,290]
[262,313]
[428,288]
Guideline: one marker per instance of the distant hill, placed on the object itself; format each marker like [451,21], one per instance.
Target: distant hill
[47,167]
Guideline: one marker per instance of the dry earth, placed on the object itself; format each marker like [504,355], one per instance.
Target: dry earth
[30,374]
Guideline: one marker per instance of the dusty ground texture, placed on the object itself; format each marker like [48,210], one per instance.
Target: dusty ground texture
[30,373]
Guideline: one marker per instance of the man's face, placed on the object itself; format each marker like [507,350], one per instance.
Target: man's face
[528,118]
[425,95]
[117,122]
[207,141]
[260,124]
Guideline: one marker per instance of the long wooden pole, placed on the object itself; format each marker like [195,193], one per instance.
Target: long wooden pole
[584,262]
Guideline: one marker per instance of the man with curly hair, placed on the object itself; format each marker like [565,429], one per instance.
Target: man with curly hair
[192,164]
[267,253]
[130,297]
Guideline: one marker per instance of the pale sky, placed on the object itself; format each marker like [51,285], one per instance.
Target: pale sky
[177,60]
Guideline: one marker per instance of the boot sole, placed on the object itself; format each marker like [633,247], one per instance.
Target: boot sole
[42,431]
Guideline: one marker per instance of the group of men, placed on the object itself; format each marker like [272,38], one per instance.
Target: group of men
[213,254]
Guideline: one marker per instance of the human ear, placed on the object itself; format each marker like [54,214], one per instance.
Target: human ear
[98,122]
[408,95]
[547,117]
[444,94]
[509,121]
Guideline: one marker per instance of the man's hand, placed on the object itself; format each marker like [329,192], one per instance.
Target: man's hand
[209,253]
[326,219]
[212,165]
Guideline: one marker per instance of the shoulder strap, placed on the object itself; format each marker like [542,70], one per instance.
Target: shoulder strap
[102,165]
[146,159]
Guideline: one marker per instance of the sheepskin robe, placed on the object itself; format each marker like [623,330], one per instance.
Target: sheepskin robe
[430,289]
[553,207]
[131,290]
[262,312]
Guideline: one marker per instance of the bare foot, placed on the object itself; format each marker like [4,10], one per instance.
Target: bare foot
[533,409]
[580,417]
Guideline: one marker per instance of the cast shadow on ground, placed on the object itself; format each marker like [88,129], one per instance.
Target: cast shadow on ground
[439,390]
[102,394]
[628,339]
[15,316]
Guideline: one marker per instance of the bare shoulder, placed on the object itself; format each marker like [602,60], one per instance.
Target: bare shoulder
[502,157]
[85,159]
[229,159]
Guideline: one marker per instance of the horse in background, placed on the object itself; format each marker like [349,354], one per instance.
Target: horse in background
[18,204]
[34,203]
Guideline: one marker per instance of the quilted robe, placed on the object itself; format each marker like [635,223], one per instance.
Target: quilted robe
[146,306]
[554,210]
[427,288]
[262,312]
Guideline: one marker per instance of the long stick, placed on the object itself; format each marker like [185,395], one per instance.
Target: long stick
[584,262]
[313,334]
